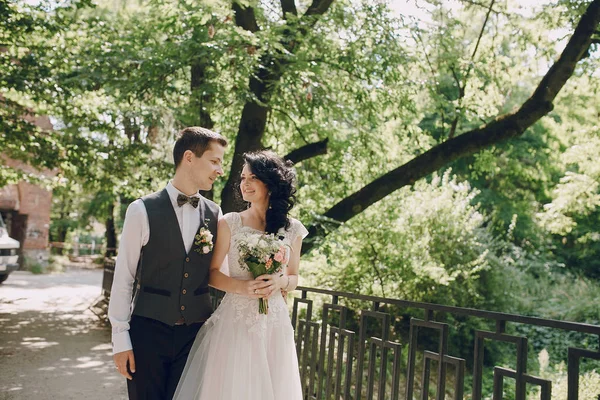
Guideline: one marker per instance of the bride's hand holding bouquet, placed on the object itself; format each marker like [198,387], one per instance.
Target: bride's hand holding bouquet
[264,256]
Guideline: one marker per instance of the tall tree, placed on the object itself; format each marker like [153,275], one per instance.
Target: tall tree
[264,79]
[269,74]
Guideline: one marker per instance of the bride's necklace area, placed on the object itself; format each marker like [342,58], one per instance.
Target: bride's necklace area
[262,222]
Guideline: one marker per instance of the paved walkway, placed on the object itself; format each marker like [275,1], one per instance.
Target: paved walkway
[51,345]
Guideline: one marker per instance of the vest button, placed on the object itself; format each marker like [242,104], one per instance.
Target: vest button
[184,291]
[186,275]
[187,259]
[182,308]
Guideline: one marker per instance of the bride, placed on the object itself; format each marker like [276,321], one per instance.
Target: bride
[240,354]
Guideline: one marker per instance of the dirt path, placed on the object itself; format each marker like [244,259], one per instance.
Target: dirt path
[51,345]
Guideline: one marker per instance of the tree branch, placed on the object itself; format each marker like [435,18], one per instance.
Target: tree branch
[502,128]
[245,17]
[475,3]
[288,6]
[288,116]
[374,261]
[307,151]
[318,7]
[462,87]
[487,17]
[461,95]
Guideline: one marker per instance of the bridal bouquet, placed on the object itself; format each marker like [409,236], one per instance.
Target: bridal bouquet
[263,254]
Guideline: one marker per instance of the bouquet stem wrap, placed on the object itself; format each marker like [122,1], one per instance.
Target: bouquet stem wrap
[258,270]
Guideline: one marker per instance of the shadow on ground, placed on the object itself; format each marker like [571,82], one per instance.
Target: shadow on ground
[51,345]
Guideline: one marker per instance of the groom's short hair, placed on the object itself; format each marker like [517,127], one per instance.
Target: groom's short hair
[196,139]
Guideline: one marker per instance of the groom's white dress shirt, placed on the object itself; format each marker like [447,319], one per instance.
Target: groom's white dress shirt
[135,235]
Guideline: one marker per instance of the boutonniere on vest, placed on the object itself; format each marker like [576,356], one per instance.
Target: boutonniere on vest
[203,241]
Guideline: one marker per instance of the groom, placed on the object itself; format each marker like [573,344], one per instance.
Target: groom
[159,297]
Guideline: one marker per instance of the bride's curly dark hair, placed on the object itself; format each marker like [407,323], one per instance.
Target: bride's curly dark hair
[280,179]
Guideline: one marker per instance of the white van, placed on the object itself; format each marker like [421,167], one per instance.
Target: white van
[9,248]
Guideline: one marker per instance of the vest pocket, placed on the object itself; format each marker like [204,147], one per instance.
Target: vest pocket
[200,290]
[161,292]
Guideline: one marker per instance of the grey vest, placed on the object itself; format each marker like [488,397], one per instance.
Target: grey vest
[171,283]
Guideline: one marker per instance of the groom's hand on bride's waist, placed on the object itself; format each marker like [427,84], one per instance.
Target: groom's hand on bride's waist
[125,363]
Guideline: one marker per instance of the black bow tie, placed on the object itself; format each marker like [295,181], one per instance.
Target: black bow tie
[182,199]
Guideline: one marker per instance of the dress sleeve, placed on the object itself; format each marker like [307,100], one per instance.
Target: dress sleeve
[231,219]
[298,230]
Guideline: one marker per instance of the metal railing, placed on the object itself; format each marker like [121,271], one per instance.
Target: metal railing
[365,347]
[79,252]
[365,361]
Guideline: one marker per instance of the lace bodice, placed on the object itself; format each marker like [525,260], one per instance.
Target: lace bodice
[246,308]
[241,232]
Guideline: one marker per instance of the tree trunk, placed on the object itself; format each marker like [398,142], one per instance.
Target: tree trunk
[110,234]
[61,235]
[66,203]
[132,130]
[249,138]
[253,121]
[152,137]
[202,98]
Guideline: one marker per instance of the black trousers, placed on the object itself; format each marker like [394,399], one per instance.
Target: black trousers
[160,352]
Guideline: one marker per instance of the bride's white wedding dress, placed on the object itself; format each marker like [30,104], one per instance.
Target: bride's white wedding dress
[240,354]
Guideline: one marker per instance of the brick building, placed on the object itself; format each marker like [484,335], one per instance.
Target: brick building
[25,208]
